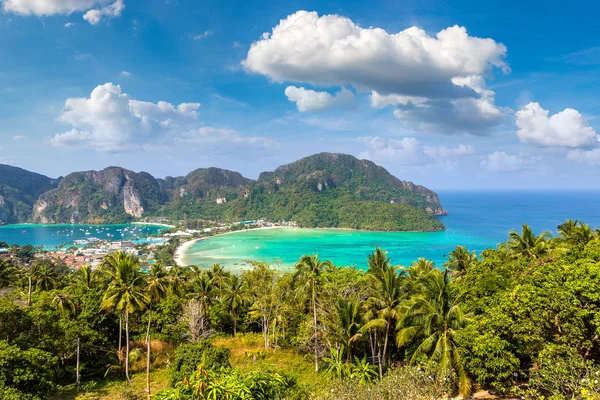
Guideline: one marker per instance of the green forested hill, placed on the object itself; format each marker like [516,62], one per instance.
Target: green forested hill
[19,189]
[322,190]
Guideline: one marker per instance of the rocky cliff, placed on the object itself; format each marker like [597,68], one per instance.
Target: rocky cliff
[108,196]
[323,190]
[19,189]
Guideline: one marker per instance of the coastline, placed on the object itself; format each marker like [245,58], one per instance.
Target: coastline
[152,223]
[179,255]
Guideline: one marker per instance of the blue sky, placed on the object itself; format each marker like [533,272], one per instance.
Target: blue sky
[446,94]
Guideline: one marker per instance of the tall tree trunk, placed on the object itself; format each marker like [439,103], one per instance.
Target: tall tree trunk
[120,336]
[315,328]
[127,346]
[234,324]
[29,292]
[387,334]
[378,354]
[148,369]
[148,352]
[149,319]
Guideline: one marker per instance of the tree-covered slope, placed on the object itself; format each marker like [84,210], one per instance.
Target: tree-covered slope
[323,190]
[18,191]
[112,195]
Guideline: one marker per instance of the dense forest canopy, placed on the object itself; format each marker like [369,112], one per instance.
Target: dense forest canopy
[323,190]
[521,319]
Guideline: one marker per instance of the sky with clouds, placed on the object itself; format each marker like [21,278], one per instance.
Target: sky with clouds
[452,95]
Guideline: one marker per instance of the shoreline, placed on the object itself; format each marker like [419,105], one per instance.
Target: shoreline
[152,223]
[179,255]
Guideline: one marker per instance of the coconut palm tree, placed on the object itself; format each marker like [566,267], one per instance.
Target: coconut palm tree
[567,228]
[157,283]
[575,232]
[219,278]
[178,280]
[157,286]
[7,273]
[378,261]
[44,276]
[85,276]
[584,234]
[308,272]
[430,322]
[125,293]
[64,304]
[385,302]
[203,291]
[527,243]
[460,260]
[235,298]
[347,324]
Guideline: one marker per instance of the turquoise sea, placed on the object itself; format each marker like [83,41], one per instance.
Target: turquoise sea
[52,236]
[477,220]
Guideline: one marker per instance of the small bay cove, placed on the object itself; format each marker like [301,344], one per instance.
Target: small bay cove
[58,235]
[478,220]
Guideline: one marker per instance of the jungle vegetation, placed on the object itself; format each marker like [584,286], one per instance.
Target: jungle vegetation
[522,319]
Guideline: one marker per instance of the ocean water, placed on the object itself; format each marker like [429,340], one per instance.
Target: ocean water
[477,220]
[59,235]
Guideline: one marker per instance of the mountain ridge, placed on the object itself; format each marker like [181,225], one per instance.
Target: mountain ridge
[321,190]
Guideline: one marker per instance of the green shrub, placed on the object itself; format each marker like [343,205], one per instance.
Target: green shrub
[415,383]
[227,383]
[25,374]
[189,356]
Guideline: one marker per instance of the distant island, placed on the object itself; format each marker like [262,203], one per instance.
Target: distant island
[323,190]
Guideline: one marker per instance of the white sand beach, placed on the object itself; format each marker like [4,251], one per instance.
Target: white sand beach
[181,251]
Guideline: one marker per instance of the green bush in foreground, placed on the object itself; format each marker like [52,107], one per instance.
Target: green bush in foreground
[231,384]
[414,383]
[189,357]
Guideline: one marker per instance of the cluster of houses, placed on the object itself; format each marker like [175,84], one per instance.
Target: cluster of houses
[92,254]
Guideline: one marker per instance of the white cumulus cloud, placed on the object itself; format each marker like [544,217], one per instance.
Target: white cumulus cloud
[564,129]
[311,100]
[590,157]
[500,161]
[95,9]
[438,79]
[110,11]
[408,151]
[110,120]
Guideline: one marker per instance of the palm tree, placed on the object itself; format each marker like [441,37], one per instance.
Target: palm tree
[460,260]
[308,271]
[219,277]
[85,276]
[527,243]
[430,321]
[177,280]
[235,299]
[202,290]
[125,293]
[64,304]
[347,323]
[378,262]
[585,234]
[567,228]
[157,285]
[385,302]
[576,233]
[7,273]
[44,276]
